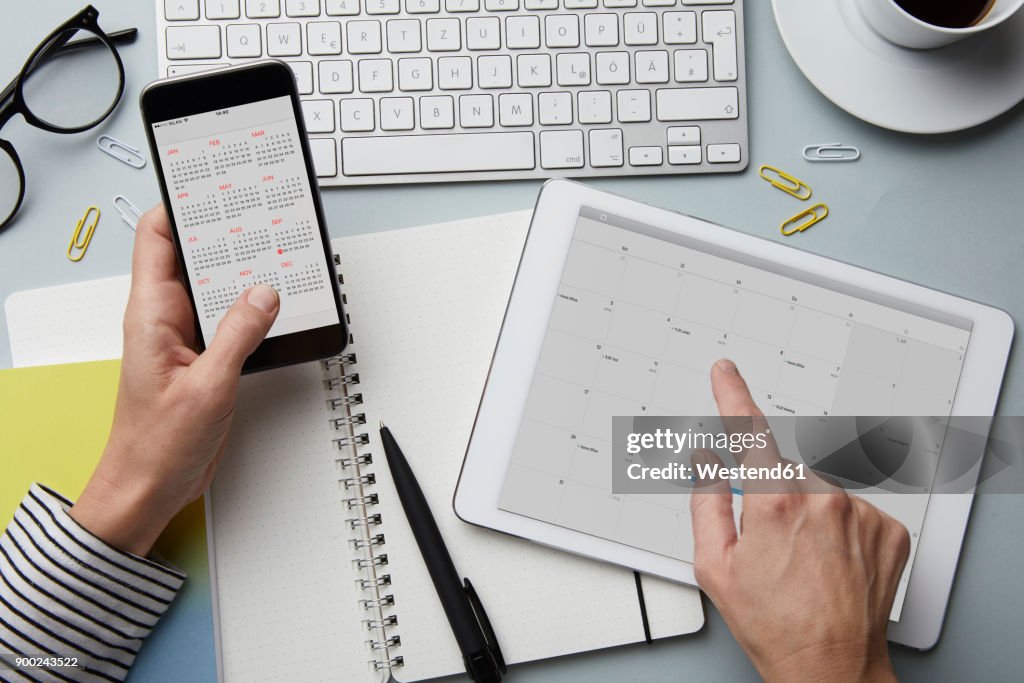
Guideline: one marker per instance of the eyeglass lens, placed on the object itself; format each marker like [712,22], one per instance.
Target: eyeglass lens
[72,88]
[10,185]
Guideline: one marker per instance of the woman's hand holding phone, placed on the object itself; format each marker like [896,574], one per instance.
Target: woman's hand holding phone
[174,405]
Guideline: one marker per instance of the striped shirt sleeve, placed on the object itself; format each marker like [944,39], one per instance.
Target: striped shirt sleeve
[65,593]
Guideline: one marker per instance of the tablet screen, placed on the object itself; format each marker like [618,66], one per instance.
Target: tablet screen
[640,316]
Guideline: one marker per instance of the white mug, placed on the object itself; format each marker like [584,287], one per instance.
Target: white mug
[898,26]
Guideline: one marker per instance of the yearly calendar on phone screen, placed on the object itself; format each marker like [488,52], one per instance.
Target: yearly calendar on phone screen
[640,316]
[243,207]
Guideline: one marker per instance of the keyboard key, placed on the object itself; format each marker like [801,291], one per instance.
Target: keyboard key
[541,4]
[494,71]
[341,8]
[193,42]
[515,109]
[659,3]
[444,35]
[476,111]
[303,76]
[243,40]
[284,40]
[437,112]
[396,113]
[356,115]
[601,30]
[573,68]
[522,32]
[620,3]
[325,158]
[415,75]
[438,153]
[501,5]
[382,6]
[680,28]
[723,154]
[606,147]
[404,35]
[222,9]
[561,30]
[683,135]
[561,149]
[363,37]
[684,156]
[690,104]
[375,75]
[613,68]
[634,105]
[323,38]
[640,28]
[554,108]
[534,71]
[302,8]
[184,69]
[336,76]
[594,106]
[691,66]
[579,4]
[262,9]
[455,73]
[707,2]
[651,66]
[318,115]
[645,156]
[181,10]
[483,33]
[720,30]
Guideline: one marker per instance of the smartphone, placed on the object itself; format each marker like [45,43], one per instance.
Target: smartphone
[237,179]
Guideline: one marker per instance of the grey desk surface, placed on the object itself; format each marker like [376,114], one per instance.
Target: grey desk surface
[942,211]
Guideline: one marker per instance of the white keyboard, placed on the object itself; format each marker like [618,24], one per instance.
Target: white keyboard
[399,91]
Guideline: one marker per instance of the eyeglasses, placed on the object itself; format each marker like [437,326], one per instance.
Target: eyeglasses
[59,94]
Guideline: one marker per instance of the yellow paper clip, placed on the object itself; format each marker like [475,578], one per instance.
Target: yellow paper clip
[816,214]
[77,240]
[785,182]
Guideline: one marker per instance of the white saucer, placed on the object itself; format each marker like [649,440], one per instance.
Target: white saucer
[913,91]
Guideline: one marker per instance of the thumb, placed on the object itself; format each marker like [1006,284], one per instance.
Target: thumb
[241,330]
[714,531]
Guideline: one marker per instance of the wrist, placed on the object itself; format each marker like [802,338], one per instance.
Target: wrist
[124,509]
[828,666]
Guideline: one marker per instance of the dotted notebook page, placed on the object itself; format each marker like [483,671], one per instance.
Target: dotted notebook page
[425,326]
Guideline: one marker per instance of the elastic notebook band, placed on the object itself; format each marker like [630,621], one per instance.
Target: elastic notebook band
[643,608]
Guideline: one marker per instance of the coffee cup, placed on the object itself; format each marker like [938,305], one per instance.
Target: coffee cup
[925,24]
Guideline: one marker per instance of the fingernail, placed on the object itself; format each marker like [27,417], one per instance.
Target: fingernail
[727,366]
[263,298]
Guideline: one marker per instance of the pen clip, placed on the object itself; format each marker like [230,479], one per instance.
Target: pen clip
[485,625]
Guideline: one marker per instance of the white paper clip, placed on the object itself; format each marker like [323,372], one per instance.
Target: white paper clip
[130,213]
[121,151]
[831,151]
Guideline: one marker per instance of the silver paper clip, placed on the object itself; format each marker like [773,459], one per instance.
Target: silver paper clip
[831,151]
[121,151]
[130,213]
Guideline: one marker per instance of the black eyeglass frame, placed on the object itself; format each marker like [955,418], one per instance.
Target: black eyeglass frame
[12,98]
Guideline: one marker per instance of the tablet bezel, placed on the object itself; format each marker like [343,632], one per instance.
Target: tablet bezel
[518,350]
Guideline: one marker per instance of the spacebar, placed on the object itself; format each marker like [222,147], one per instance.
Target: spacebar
[437,153]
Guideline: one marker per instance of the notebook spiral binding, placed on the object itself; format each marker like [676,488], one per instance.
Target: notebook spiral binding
[355,482]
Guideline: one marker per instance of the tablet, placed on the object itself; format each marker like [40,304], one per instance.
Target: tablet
[620,309]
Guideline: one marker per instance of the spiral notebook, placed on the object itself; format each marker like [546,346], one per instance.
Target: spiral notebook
[317,576]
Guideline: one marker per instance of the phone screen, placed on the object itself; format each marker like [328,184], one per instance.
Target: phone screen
[243,207]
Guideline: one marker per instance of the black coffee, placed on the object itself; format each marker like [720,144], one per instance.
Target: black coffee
[948,13]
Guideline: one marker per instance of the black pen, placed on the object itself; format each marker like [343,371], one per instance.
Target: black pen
[473,633]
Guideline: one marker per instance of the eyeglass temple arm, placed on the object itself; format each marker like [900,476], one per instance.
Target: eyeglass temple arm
[127,35]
